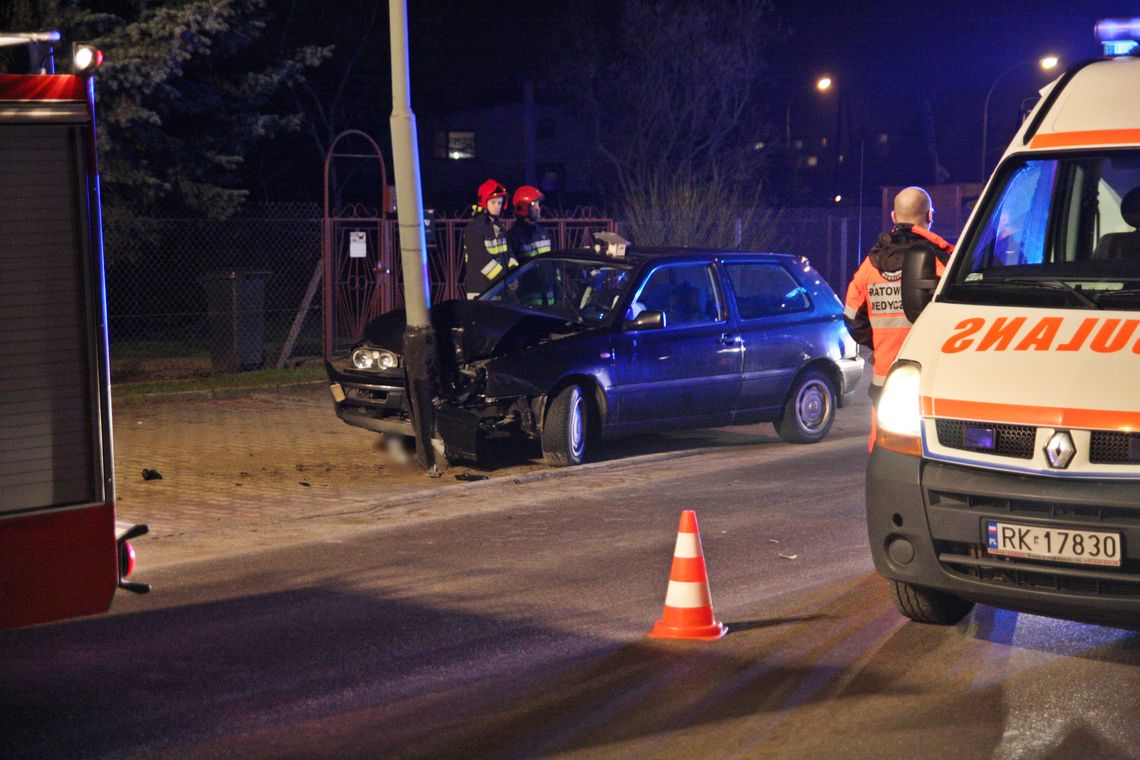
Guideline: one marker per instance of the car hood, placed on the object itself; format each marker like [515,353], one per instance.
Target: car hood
[487,328]
[1027,366]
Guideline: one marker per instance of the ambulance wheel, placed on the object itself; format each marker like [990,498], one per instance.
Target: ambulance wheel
[925,605]
[809,410]
[564,429]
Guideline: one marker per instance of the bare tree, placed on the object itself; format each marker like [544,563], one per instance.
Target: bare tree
[670,88]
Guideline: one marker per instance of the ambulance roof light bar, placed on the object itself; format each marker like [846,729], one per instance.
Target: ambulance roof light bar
[1118,36]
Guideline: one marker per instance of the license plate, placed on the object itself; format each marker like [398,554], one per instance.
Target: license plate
[1081,547]
[337,392]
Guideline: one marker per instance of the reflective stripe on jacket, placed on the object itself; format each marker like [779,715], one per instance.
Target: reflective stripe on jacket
[484,253]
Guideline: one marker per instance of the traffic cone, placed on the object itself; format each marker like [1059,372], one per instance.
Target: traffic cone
[688,610]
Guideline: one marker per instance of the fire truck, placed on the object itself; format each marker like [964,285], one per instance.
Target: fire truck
[62,554]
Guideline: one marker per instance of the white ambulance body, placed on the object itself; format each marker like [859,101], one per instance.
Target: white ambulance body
[1006,468]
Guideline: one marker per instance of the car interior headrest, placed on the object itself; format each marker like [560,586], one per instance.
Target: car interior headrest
[1130,207]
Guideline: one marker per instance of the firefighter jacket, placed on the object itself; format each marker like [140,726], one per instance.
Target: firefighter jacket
[873,311]
[527,239]
[484,253]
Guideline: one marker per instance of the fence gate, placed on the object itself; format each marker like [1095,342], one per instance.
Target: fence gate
[357,253]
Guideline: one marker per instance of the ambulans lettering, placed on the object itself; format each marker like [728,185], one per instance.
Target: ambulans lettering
[1099,334]
[961,340]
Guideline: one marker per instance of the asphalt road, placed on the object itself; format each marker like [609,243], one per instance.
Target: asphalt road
[508,619]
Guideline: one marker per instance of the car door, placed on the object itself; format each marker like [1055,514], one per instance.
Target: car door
[772,307]
[690,368]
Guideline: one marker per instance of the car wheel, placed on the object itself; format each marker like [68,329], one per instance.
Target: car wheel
[809,411]
[564,429]
[926,605]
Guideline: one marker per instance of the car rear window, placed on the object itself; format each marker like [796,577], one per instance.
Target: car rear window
[765,290]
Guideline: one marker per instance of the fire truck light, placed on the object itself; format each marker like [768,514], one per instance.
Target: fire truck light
[87,58]
[127,559]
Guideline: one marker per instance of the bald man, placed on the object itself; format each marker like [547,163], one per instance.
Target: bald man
[873,311]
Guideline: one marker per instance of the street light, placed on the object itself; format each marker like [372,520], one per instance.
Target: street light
[822,84]
[1046,63]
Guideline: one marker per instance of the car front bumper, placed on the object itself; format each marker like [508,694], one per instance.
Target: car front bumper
[372,402]
[851,372]
[926,522]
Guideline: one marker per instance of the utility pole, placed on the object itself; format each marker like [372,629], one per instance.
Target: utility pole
[419,337]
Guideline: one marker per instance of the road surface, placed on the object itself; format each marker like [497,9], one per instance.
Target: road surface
[507,618]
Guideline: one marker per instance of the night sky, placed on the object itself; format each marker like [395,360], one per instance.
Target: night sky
[892,58]
[895,53]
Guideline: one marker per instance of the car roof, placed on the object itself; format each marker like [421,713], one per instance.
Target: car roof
[638,255]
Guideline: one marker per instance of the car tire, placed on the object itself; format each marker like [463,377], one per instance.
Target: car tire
[926,605]
[564,428]
[809,411]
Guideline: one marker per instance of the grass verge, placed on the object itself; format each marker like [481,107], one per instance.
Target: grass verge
[126,393]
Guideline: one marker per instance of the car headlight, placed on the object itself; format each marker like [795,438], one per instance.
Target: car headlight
[899,412]
[372,358]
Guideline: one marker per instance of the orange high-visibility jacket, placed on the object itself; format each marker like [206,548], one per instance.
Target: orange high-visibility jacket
[873,310]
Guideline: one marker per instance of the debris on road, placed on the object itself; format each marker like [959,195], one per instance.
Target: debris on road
[469,477]
[149,474]
[786,556]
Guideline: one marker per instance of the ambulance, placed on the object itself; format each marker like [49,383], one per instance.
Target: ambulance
[1005,468]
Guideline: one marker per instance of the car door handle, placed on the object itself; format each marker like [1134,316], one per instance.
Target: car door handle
[728,339]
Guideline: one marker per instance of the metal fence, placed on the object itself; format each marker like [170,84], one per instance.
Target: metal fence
[194,296]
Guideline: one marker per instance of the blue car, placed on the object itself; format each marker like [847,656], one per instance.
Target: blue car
[577,346]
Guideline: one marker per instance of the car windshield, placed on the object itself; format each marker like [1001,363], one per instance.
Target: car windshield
[578,290]
[1061,231]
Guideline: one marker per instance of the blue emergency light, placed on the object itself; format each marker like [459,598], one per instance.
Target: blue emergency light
[1118,36]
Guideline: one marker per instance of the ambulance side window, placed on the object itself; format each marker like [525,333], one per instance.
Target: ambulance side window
[1015,230]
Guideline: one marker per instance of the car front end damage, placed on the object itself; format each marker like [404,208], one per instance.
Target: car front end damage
[479,389]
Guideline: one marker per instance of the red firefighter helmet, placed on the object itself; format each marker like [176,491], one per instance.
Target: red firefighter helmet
[524,196]
[490,189]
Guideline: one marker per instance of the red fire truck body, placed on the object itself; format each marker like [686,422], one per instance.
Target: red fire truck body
[61,554]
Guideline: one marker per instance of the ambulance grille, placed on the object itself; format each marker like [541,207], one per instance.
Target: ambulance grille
[1108,447]
[1009,440]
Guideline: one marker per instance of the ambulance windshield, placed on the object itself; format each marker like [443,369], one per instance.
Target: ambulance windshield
[1059,232]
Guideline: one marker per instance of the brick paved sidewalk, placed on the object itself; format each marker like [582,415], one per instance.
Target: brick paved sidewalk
[254,463]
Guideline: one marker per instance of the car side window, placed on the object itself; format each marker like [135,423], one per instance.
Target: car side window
[765,290]
[686,293]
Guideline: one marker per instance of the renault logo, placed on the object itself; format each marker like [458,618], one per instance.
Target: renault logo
[1060,450]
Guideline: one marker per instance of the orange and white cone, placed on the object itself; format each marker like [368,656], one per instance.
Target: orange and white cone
[688,610]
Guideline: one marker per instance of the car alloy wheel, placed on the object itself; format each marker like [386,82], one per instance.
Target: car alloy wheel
[813,405]
[809,411]
[564,429]
[577,427]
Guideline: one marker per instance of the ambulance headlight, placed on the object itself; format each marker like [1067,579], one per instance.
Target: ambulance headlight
[900,409]
[372,358]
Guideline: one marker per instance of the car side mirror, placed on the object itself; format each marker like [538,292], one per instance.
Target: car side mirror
[646,320]
[919,279]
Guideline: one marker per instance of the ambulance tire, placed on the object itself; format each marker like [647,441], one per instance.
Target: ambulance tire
[926,605]
[564,428]
[809,411]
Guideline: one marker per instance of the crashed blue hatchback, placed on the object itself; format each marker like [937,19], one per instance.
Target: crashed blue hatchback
[577,346]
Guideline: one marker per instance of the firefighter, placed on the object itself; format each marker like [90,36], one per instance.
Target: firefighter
[873,311]
[484,244]
[527,238]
